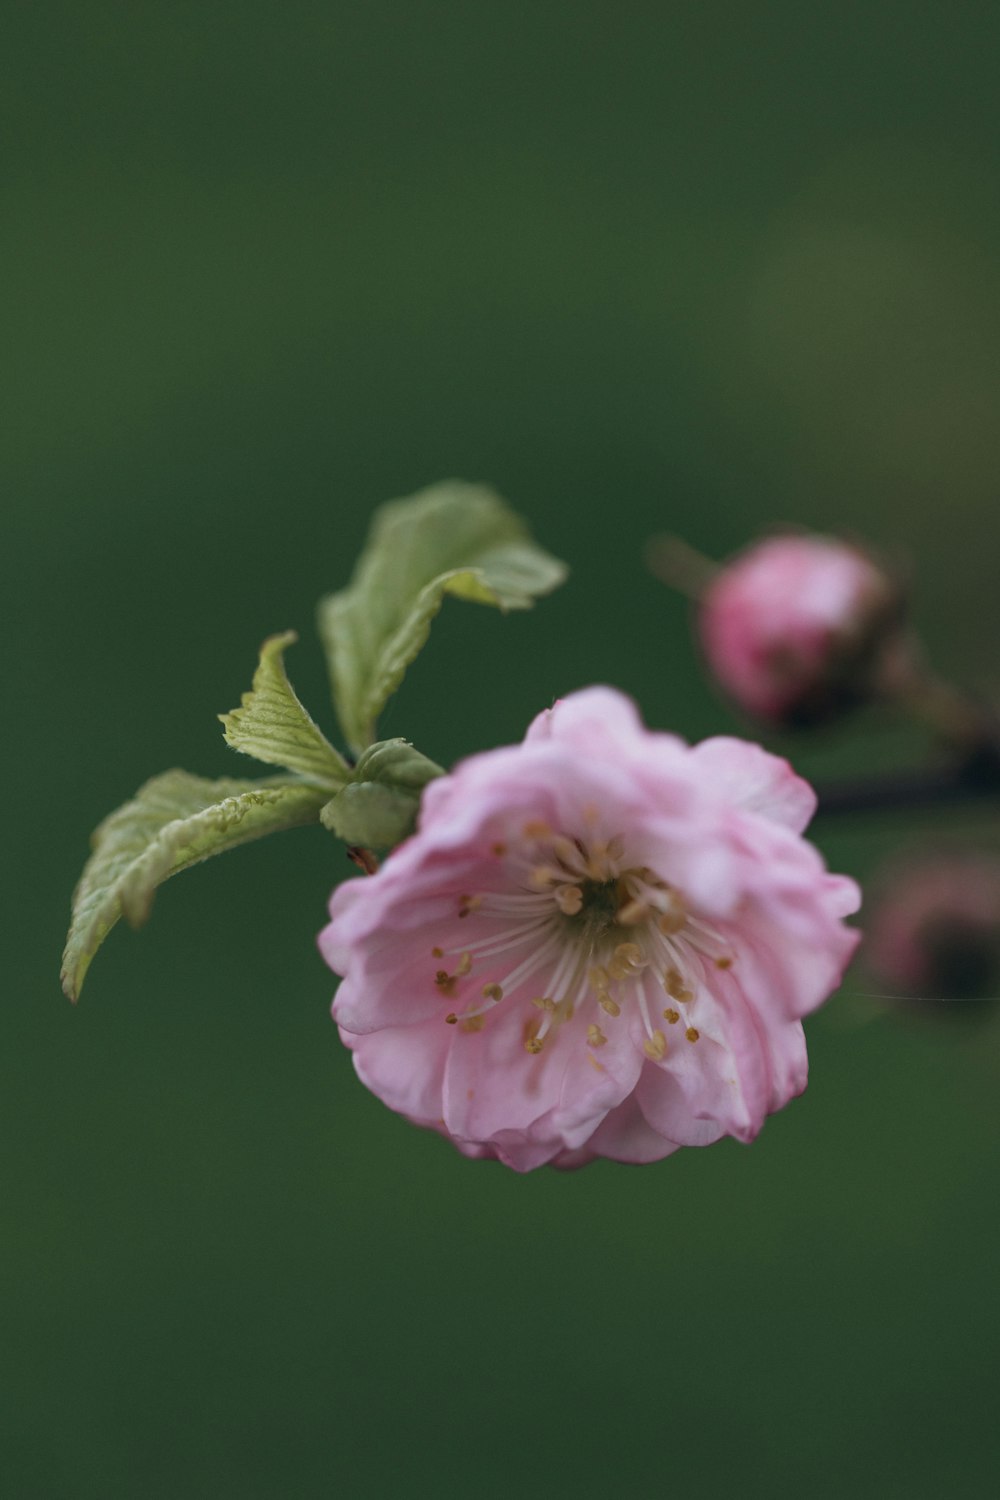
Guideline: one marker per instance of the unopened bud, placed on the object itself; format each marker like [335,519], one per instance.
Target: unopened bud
[934,931]
[797,629]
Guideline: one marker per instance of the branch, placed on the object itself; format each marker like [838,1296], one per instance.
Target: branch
[976,776]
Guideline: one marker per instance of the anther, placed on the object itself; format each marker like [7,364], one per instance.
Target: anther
[463,966]
[437,953]
[610,1006]
[692,1033]
[655,1047]
[566,851]
[452,1019]
[723,963]
[534,1045]
[542,876]
[536,828]
[492,992]
[499,848]
[543,1002]
[632,913]
[595,1037]
[569,899]
[672,1016]
[675,986]
[472,1023]
[673,918]
[627,959]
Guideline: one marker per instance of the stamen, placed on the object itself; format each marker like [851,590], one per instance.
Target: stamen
[628,959]
[512,903]
[655,1047]
[555,876]
[644,1011]
[535,960]
[562,978]
[673,916]
[632,913]
[599,866]
[705,939]
[568,854]
[492,995]
[516,937]
[569,899]
[675,987]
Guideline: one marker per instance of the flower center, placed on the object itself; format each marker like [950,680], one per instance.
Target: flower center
[600,903]
[601,933]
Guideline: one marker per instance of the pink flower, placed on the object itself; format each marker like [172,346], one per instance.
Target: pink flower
[934,932]
[599,942]
[793,628]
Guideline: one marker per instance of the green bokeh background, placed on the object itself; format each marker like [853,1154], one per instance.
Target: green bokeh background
[703,267]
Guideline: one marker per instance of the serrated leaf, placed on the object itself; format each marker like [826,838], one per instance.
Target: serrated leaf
[452,538]
[174,821]
[273,726]
[378,807]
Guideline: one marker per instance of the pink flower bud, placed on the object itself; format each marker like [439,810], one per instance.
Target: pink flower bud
[796,628]
[935,928]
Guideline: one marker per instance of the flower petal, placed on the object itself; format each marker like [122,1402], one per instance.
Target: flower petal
[750,778]
[625,1135]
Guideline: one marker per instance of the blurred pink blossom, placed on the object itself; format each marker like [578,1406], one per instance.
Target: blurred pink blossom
[934,930]
[599,942]
[793,627]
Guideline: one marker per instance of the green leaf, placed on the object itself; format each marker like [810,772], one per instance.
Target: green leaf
[378,807]
[273,726]
[453,538]
[174,821]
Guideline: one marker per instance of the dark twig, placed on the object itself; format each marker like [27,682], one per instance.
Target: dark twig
[975,776]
